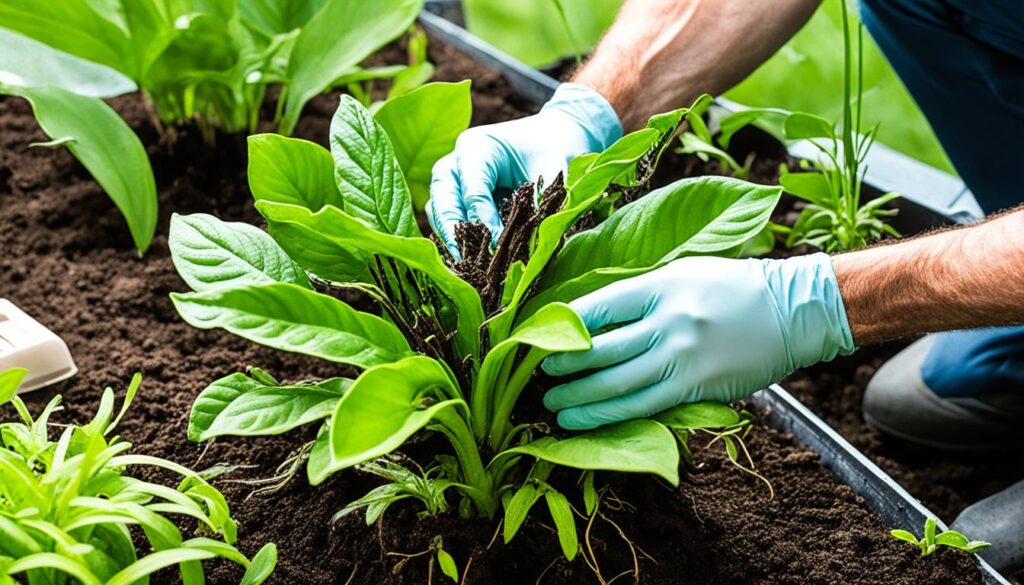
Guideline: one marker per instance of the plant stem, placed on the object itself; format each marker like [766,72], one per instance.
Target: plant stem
[475,475]
[508,396]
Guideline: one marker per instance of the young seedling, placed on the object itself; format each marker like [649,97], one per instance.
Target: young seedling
[66,507]
[207,63]
[458,342]
[698,141]
[932,541]
[834,218]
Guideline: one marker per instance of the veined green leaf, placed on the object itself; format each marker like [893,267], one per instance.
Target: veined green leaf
[290,318]
[261,566]
[688,217]
[800,125]
[605,167]
[293,171]
[105,145]
[159,560]
[336,39]
[385,406]
[58,562]
[423,125]
[419,254]
[367,173]
[72,27]
[518,508]
[636,446]
[276,17]
[29,63]
[10,379]
[209,253]
[699,415]
[447,564]
[812,187]
[242,406]
[565,524]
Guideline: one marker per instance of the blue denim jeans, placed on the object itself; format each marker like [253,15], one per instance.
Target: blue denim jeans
[963,61]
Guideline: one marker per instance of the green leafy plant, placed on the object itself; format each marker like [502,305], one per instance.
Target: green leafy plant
[834,218]
[931,541]
[66,507]
[457,344]
[698,141]
[196,60]
[10,379]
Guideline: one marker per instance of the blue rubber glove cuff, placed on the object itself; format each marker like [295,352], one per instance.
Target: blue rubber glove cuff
[591,112]
[811,310]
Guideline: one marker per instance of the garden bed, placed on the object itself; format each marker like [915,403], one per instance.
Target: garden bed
[68,259]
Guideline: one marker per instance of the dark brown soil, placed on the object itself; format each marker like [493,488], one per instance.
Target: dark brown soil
[66,258]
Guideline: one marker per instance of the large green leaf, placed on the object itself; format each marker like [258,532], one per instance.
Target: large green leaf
[291,318]
[275,17]
[318,253]
[209,253]
[73,27]
[290,170]
[419,254]
[244,406]
[385,406]
[30,63]
[534,32]
[689,217]
[105,145]
[636,446]
[699,415]
[367,173]
[423,125]
[10,379]
[337,39]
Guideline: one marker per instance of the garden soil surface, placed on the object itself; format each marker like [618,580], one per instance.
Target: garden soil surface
[66,258]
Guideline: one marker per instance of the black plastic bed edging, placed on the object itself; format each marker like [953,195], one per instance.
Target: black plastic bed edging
[781,410]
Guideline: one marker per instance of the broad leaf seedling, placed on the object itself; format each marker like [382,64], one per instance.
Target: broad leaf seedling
[931,541]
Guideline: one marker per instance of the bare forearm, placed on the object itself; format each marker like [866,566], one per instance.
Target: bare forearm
[662,54]
[955,279]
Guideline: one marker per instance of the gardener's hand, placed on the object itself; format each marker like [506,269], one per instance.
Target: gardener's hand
[698,329]
[576,121]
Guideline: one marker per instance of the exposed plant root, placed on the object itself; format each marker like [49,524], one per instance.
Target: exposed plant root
[284,473]
[497,531]
[522,214]
[553,562]
[352,576]
[629,544]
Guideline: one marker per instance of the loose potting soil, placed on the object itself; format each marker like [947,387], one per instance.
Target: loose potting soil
[66,258]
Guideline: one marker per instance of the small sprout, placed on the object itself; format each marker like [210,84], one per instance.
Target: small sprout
[931,541]
[446,561]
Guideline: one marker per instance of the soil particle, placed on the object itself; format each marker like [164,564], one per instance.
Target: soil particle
[66,257]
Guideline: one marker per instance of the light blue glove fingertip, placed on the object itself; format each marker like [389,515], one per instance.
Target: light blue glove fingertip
[594,114]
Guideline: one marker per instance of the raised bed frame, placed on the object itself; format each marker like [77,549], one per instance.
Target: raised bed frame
[931,198]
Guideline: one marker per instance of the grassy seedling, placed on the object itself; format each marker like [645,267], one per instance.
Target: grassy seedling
[931,541]
[66,506]
[456,344]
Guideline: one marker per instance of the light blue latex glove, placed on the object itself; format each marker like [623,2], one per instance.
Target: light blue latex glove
[576,121]
[698,329]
